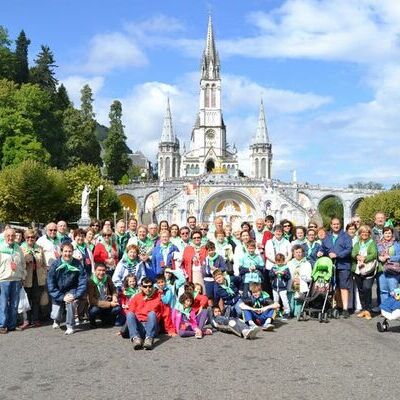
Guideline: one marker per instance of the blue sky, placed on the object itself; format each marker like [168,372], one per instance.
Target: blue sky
[328,72]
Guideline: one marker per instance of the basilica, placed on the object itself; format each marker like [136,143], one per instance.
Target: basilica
[204,180]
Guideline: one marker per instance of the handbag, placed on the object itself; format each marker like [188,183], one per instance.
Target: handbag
[367,269]
[391,267]
[23,305]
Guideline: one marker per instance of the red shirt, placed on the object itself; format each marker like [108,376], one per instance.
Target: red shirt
[100,253]
[187,260]
[141,306]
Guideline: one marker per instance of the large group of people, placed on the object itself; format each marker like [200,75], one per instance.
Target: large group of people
[190,280]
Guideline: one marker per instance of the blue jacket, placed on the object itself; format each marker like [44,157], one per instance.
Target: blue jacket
[219,263]
[311,254]
[61,282]
[342,248]
[157,258]
[229,299]
[123,269]
[279,281]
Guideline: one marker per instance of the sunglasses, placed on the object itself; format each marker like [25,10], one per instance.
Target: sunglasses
[196,237]
[184,233]
[107,235]
[147,286]
[52,230]
[203,229]
[96,225]
[286,226]
[31,237]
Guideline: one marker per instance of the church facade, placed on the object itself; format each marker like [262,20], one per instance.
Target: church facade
[204,180]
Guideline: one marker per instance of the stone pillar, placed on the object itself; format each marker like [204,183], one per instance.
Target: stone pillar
[346,212]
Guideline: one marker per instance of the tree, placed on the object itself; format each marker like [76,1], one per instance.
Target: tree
[43,72]
[7,57]
[330,207]
[19,148]
[76,178]
[395,186]
[30,192]
[87,103]
[387,202]
[81,145]
[116,157]
[21,58]
[366,185]
[63,101]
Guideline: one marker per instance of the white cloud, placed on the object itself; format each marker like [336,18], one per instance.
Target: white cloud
[112,50]
[74,84]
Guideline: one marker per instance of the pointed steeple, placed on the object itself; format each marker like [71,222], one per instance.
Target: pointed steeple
[167,134]
[210,64]
[262,132]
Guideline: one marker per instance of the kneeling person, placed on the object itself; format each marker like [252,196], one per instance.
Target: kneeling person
[103,297]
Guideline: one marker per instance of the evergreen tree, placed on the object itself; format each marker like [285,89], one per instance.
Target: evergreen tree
[21,58]
[43,71]
[87,103]
[116,157]
[63,101]
[7,57]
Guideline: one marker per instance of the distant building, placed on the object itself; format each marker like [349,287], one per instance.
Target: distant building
[140,160]
[204,180]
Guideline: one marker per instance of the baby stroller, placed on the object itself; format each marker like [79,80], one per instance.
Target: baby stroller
[318,301]
[390,310]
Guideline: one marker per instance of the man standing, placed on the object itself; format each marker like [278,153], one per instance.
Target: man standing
[121,238]
[191,222]
[145,311]
[62,232]
[132,227]
[12,273]
[50,244]
[337,246]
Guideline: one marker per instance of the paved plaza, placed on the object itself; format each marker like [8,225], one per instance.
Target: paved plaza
[344,359]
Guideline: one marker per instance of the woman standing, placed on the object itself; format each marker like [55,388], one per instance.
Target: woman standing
[106,251]
[364,256]
[82,251]
[36,275]
[389,257]
[193,259]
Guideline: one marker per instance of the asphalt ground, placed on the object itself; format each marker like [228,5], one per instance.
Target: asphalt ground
[342,359]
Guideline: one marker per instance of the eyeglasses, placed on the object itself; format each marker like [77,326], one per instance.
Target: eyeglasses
[52,230]
[147,286]
[286,226]
[196,237]
[184,233]
[203,229]
[107,235]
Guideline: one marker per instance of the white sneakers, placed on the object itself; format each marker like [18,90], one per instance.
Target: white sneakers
[56,325]
[251,333]
[69,331]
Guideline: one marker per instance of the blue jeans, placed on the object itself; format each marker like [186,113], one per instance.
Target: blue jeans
[261,318]
[9,299]
[107,315]
[142,329]
[387,283]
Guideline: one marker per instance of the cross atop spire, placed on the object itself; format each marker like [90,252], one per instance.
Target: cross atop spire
[210,64]
[262,132]
[167,134]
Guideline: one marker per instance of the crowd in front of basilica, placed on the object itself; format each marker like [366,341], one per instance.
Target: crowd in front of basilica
[192,280]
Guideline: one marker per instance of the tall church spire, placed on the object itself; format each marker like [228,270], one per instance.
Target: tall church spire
[167,134]
[210,64]
[262,132]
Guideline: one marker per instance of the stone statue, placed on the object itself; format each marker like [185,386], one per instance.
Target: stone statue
[85,203]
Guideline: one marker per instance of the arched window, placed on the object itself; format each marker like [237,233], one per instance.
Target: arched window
[167,168]
[256,172]
[263,168]
[213,94]
[173,168]
[207,96]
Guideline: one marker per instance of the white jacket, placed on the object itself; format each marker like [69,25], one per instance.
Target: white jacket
[273,247]
[303,269]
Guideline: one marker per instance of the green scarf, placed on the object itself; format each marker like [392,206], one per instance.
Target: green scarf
[131,263]
[129,292]
[56,241]
[211,260]
[81,247]
[99,283]
[280,269]
[66,265]
[6,249]
[257,302]
[30,250]
[227,286]
[185,311]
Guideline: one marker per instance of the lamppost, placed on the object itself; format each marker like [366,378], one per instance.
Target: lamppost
[101,187]
[126,211]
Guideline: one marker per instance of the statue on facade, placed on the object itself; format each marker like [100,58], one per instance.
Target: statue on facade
[84,221]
